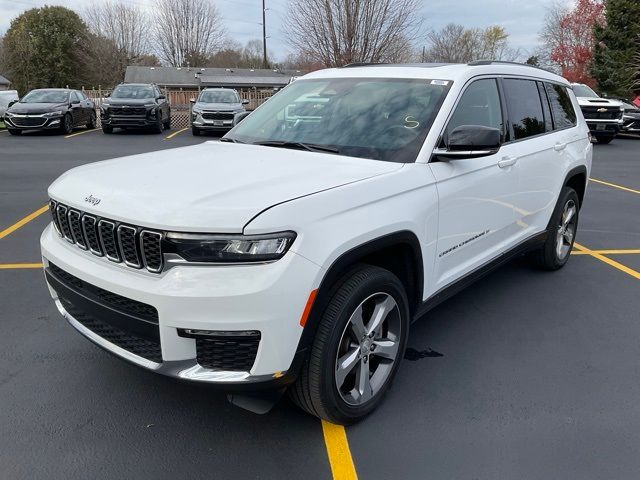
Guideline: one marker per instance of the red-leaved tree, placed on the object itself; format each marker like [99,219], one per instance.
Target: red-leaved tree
[569,39]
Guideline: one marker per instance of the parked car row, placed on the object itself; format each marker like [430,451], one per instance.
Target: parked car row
[130,105]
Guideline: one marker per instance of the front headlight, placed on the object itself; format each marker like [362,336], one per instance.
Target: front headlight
[229,248]
[150,105]
[53,114]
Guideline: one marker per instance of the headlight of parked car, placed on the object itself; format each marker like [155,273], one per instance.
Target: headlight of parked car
[53,114]
[229,248]
[8,114]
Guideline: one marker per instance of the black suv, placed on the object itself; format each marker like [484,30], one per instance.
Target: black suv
[58,109]
[135,105]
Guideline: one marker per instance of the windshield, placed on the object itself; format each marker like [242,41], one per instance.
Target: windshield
[46,96]
[133,91]
[584,91]
[218,96]
[380,119]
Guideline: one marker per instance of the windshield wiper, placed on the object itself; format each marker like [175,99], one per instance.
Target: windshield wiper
[311,147]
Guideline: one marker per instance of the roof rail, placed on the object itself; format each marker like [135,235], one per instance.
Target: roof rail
[477,63]
[362,64]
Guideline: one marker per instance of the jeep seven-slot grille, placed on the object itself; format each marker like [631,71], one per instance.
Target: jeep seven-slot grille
[136,247]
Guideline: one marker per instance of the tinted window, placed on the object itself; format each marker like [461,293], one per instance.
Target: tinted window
[75,96]
[133,91]
[479,105]
[525,108]
[46,96]
[564,116]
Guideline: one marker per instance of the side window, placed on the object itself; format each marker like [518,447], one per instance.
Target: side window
[479,105]
[75,97]
[564,116]
[525,107]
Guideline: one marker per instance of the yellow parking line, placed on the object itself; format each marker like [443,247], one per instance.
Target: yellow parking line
[18,266]
[608,261]
[81,133]
[620,187]
[169,137]
[24,221]
[607,252]
[335,438]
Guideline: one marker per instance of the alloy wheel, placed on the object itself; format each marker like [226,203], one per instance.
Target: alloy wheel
[566,230]
[368,349]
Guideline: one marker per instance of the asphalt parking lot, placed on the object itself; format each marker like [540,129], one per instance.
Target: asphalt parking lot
[539,375]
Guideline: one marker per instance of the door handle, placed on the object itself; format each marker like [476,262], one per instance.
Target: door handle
[507,162]
[558,147]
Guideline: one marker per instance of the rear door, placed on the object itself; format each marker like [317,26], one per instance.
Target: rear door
[476,214]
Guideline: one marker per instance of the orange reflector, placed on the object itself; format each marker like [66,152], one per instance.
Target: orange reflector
[307,307]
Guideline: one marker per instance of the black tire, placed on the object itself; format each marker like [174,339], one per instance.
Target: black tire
[108,129]
[605,140]
[13,131]
[548,257]
[159,127]
[91,124]
[195,131]
[167,124]
[315,390]
[66,125]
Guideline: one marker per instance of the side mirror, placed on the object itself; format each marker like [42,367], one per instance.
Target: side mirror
[245,102]
[192,100]
[162,97]
[240,116]
[12,102]
[75,102]
[471,141]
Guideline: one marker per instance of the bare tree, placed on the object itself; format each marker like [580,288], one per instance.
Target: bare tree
[187,32]
[124,25]
[457,44]
[338,32]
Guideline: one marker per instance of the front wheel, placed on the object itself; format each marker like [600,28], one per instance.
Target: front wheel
[357,349]
[605,140]
[66,125]
[13,131]
[167,124]
[561,233]
[107,129]
[195,131]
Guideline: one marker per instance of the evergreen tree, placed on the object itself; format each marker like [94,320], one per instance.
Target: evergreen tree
[616,44]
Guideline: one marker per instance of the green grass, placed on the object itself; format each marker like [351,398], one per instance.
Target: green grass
[2,125]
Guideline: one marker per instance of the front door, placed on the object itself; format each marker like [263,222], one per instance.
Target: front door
[476,212]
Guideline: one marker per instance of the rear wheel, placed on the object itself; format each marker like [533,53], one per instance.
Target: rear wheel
[561,233]
[13,131]
[357,349]
[91,124]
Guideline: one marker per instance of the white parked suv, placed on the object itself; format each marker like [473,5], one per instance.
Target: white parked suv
[295,253]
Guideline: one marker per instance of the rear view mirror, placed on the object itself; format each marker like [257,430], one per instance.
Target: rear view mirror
[471,141]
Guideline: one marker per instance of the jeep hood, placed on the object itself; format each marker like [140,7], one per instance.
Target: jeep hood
[210,187]
[597,102]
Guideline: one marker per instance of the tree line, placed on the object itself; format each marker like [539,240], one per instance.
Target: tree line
[593,41]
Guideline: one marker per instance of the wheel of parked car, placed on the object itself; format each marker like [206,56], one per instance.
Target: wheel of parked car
[561,232]
[13,131]
[605,140]
[66,125]
[167,124]
[357,349]
[91,124]
[107,129]
[159,128]
[195,131]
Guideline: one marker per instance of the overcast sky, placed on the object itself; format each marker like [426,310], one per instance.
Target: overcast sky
[521,18]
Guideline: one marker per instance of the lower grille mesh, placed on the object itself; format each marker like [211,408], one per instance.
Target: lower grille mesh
[228,353]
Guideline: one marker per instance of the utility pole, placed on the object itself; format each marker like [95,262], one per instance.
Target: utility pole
[264,36]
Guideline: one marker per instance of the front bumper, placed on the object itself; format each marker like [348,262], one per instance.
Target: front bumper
[32,122]
[267,298]
[134,116]
[198,121]
[603,127]
[631,124]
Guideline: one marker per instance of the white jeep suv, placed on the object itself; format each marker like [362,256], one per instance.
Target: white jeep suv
[295,253]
